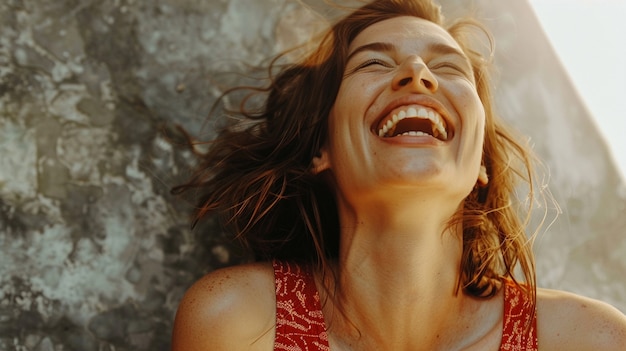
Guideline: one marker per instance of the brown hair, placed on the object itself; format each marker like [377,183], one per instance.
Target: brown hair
[258,179]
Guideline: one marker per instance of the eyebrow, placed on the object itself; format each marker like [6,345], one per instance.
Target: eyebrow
[376,46]
[437,48]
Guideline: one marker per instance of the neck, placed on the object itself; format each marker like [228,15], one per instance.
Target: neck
[397,273]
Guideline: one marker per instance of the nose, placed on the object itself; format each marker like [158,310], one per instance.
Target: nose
[414,74]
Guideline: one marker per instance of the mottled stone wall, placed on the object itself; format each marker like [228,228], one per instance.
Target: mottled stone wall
[584,249]
[95,252]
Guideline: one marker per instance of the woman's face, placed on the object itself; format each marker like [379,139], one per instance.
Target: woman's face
[407,114]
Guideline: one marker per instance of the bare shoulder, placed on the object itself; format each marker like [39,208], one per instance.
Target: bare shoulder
[568,321]
[228,309]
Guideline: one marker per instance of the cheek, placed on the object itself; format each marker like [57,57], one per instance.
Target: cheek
[473,113]
[359,91]
[354,98]
[477,130]
[348,99]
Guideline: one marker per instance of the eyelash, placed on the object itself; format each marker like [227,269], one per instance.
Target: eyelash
[385,64]
[371,62]
[448,65]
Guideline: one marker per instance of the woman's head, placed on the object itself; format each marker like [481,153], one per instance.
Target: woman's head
[407,116]
[263,184]
[493,234]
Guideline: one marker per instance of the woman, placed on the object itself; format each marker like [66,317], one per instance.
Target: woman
[375,189]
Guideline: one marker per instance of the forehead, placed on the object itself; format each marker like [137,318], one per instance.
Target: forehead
[404,29]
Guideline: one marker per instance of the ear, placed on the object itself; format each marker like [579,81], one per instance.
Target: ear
[483,178]
[320,162]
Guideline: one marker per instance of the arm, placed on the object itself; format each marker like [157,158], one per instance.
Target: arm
[570,322]
[228,309]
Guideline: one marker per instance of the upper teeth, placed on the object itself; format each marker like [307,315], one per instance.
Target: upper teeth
[412,112]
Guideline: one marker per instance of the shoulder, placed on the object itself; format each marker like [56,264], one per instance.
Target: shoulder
[229,309]
[568,321]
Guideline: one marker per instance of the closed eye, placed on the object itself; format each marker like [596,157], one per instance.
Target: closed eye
[372,62]
[451,68]
[369,63]
[448,65]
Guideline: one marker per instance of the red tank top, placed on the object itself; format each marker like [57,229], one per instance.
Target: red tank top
[300,323]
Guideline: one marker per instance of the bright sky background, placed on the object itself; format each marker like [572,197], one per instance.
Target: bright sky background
[590,39]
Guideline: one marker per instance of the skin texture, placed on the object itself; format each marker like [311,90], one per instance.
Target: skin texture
[382,183]
[234,309]
[399,261]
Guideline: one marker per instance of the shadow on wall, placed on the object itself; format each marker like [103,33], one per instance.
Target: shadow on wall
[95,253]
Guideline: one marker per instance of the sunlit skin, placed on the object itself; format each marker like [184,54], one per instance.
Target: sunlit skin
[397,63]
[394,63]
[399,260]
[397,194]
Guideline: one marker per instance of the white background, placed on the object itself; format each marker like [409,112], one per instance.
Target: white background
[590,39]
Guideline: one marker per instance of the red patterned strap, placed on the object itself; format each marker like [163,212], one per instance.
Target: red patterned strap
[516,336]
[299,320]
[300,323]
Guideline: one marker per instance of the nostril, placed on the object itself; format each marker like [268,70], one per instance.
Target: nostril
[405,81]
[428,84]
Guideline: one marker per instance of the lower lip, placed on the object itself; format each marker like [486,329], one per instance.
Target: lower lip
[409,140]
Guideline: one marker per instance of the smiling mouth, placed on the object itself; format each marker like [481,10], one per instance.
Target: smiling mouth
[413,121]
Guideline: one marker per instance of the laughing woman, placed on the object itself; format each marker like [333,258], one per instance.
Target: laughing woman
[375,190]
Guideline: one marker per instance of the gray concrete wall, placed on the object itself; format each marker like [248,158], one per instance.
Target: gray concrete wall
[94,252]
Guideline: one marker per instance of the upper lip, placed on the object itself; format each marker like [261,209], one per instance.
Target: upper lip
[422,100]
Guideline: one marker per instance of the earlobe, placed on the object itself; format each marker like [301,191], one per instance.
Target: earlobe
[483,178]
[320,162]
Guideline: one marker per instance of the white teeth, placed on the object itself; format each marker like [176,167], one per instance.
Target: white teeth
[439,129]
[422,113]
[417,133]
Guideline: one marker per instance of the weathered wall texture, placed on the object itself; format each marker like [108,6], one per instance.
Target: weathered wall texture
[95,253]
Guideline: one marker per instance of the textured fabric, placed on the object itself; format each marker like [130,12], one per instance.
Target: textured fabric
[299,319]
[516,335]
[300,322]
